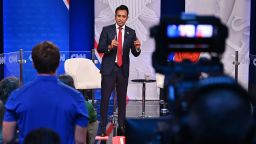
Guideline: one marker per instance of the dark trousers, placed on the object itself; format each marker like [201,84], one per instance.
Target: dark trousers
[108,83]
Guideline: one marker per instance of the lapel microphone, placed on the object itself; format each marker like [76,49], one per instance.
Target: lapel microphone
[126,34]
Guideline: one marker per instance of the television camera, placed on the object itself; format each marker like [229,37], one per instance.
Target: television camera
[191,34]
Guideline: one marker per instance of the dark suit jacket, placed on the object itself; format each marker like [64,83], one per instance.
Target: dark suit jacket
[108,61]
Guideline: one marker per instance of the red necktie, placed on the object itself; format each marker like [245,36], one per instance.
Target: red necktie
[119,48]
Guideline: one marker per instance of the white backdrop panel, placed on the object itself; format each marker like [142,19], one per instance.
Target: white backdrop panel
[143,14]
[236,15]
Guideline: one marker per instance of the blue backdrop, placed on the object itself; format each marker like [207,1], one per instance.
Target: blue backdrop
[27,23]
[1,39]
[81,25]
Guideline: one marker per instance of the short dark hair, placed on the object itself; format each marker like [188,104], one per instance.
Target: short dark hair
[46,57]
[122,7]
[42,136]
[67,79]
[7,85]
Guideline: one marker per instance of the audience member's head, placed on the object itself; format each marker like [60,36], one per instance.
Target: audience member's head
[46,57]
[42,136]
[7,85]
[67,79]
[220,113]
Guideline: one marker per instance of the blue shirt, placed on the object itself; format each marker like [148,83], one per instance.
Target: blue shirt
[47,103]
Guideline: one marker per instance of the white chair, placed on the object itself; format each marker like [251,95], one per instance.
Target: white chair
[84,72]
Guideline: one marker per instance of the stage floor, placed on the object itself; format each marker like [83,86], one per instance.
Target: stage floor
[133,108]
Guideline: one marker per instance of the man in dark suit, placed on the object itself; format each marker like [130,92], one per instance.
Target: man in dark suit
[116,42]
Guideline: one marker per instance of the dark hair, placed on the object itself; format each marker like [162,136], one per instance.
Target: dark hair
[122,7]
[42,136]
[46,57]
[67,79]
[7,85]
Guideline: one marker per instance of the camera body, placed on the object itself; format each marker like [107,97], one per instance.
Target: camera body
[192,34]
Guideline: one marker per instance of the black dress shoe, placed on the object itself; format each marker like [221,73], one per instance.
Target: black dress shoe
[121,131]
[103,131]
[103,134]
